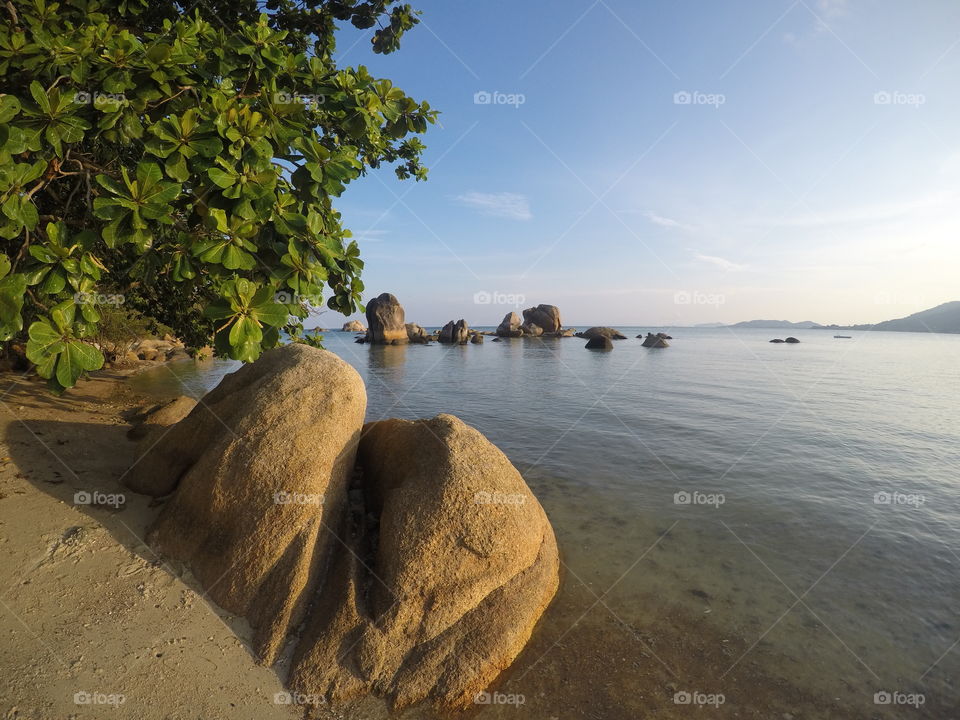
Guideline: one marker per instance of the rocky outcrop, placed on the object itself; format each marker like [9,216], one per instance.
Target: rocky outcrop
[160,349]
[655,341]
[464,565]
[385,321]
[510,326]
[777,340]
[604,331]
[416,334]
[416,573]
[546,317]
[161,416]
[456,333]
[259,472]
[791,340]
[354,326]
[531,329]
[599,342]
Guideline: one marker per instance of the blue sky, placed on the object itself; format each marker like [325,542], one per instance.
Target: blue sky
[671,162]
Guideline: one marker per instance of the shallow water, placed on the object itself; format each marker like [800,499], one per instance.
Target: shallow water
[800,594]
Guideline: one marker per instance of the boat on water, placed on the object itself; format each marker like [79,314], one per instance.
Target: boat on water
[845,337]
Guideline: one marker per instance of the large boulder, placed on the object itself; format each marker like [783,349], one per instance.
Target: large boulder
[604,331]
[464,564]
[455,332]
[655,341]
[161,416]
[354,326]
[510,326]
[532,329]
[385,321]
[259,473]
[546,317]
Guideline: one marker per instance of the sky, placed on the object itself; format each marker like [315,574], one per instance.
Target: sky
[672,162]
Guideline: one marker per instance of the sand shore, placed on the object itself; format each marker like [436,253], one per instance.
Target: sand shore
[85,606]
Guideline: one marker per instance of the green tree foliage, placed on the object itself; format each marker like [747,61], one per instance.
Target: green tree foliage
[187,159]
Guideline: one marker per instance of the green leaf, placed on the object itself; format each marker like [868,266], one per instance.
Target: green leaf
[77,357]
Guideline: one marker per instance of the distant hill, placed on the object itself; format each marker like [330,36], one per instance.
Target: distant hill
[941,319]
[778,324]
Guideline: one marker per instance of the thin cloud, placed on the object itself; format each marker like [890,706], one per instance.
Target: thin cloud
[719,262]
[833,8]
[665,221]
[369,236]
[506,205]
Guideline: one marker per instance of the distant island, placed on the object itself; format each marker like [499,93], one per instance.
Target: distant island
[943,318]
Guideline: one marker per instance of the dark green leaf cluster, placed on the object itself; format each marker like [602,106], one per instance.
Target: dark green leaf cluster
[187,162]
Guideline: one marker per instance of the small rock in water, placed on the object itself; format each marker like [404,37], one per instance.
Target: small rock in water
[599,342]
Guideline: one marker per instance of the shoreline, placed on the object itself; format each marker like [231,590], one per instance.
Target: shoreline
[140,627]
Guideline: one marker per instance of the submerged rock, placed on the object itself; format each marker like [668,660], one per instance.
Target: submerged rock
[602,331]
[655,341]
[465,564]
[385,321]
[776,340]
[599,342]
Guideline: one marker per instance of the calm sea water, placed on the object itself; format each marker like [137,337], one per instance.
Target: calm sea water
[801,502]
